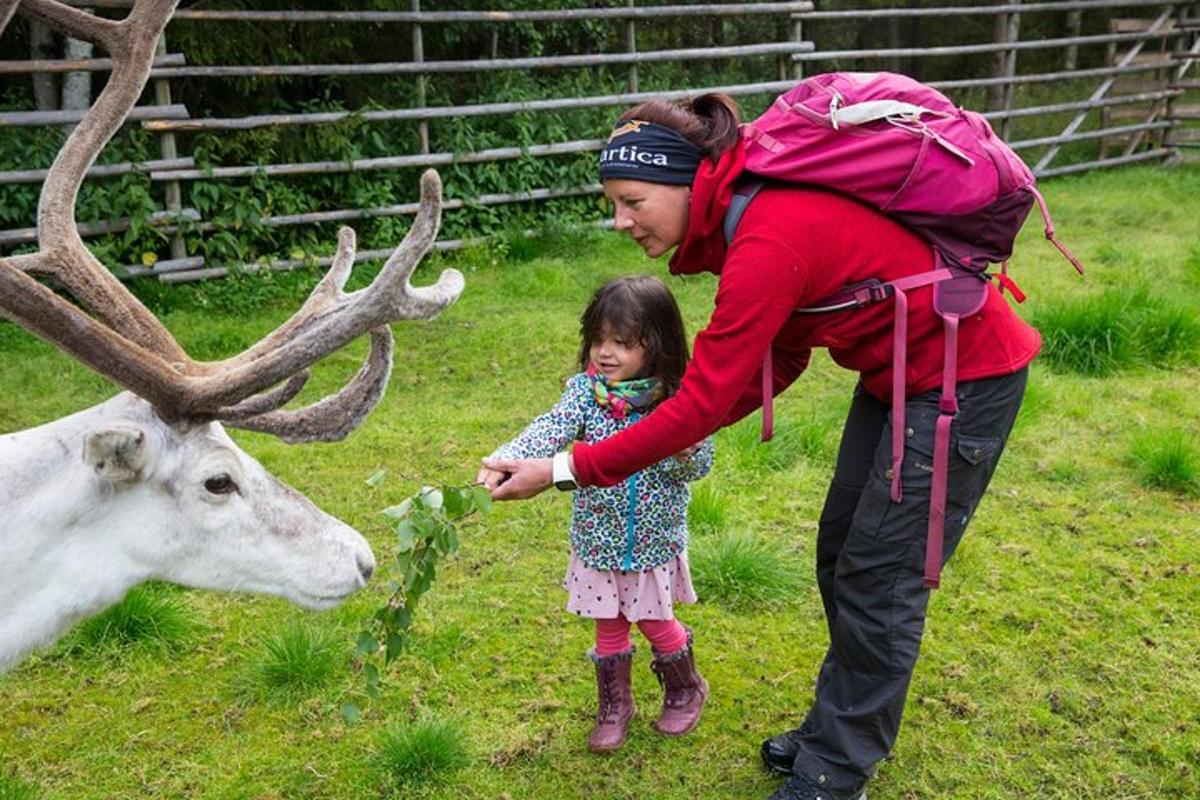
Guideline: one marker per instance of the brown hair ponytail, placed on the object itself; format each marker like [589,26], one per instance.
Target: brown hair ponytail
[709,121]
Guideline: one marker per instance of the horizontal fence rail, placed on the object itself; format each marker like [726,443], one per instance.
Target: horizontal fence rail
[1132,94]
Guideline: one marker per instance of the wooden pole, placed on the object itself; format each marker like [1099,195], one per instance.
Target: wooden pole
[418,45]
[1074,27]
[173,193]
[631,46]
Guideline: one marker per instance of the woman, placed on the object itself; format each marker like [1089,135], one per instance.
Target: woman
[669,171]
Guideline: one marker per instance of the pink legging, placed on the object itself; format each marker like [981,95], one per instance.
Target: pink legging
[664,635]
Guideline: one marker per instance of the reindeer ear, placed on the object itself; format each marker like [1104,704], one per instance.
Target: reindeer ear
[118,453]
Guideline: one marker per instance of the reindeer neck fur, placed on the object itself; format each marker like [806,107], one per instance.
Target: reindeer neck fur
[71,542]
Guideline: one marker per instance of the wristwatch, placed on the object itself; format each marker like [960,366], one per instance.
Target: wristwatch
[560,473]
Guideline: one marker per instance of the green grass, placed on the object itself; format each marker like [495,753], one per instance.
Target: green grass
[709,508]
[1118,329]
[151,616]
[1060,656]
[1168,459]
[420,751]
[13,788]
[291,663]
[736,569]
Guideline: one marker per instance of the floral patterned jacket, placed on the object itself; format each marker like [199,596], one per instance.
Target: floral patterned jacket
[638,524]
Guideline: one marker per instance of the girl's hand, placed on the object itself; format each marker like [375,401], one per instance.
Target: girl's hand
[687,452]
[527,478]
[490,478]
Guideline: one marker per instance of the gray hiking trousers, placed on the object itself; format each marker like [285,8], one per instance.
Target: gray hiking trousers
[870,567]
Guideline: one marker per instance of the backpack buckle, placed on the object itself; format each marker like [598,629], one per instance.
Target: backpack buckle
[872,293]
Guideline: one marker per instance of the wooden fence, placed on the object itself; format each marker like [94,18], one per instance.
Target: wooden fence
[1132,101]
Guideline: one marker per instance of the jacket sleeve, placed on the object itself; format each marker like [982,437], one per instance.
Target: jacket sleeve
[786,366]
[553,431]
[762,282]
[693,467]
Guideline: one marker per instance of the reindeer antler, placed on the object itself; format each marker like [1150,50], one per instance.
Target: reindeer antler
[134,349]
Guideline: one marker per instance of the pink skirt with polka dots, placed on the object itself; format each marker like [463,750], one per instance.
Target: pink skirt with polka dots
[603,594]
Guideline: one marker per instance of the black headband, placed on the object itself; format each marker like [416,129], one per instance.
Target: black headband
[644,151]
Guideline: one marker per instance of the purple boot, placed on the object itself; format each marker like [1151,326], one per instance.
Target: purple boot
[616,709]
[684,691]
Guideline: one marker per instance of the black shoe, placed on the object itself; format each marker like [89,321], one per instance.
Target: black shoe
[802,787]
[779,752]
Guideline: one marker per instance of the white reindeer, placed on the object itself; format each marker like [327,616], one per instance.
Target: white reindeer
[148,484]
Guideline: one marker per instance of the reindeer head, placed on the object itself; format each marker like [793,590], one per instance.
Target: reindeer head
[219,519]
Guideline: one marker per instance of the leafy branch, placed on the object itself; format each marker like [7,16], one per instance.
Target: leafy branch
[426,532]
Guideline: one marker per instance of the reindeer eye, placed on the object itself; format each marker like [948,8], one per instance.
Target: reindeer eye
[220,484]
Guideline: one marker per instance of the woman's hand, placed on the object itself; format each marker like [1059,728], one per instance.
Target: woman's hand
[527,477]
[490,478]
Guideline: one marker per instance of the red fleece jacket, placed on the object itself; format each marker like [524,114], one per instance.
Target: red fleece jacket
[795,246]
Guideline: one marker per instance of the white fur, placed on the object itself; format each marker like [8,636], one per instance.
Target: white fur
[76,536]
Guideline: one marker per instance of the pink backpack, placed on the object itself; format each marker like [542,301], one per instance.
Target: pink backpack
[904,148]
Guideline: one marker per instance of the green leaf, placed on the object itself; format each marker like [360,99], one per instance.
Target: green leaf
[455,503]
[366,644]
[406,533]
[395,646]
[350,713]
[376,478]
[400,510]
[430,497]
[482,499]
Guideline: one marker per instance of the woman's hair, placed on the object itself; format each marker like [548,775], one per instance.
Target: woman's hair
[641,308]
[709,121]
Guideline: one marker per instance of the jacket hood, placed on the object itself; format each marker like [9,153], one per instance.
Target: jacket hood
[703,246]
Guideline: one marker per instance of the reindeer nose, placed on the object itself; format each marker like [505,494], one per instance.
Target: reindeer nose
[366,567]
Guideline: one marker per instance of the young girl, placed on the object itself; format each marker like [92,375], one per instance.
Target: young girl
[628,542]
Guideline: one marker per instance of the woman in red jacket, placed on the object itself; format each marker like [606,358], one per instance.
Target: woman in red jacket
[670,171]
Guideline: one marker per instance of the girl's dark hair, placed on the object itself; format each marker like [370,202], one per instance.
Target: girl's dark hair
[709,121]
[641,308]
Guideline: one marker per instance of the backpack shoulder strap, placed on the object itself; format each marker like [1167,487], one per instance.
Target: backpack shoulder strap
[743,192]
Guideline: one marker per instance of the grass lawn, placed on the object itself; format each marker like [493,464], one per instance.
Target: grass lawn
[1061,658]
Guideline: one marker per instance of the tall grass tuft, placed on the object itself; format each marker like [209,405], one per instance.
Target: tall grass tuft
[744,441]
[735,569]
[708,509]
[151,615]
[1168,459]
[1118,329]
[412,752]
[13,788]
[291,663]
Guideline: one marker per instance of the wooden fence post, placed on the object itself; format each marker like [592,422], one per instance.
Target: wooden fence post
[1074,26]
[1004,65]
[631,46]
[173,201]
[418,46]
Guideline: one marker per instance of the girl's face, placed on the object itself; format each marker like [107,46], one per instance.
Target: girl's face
[654,214]
[617,356]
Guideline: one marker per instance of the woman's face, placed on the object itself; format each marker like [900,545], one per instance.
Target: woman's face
[655,215]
